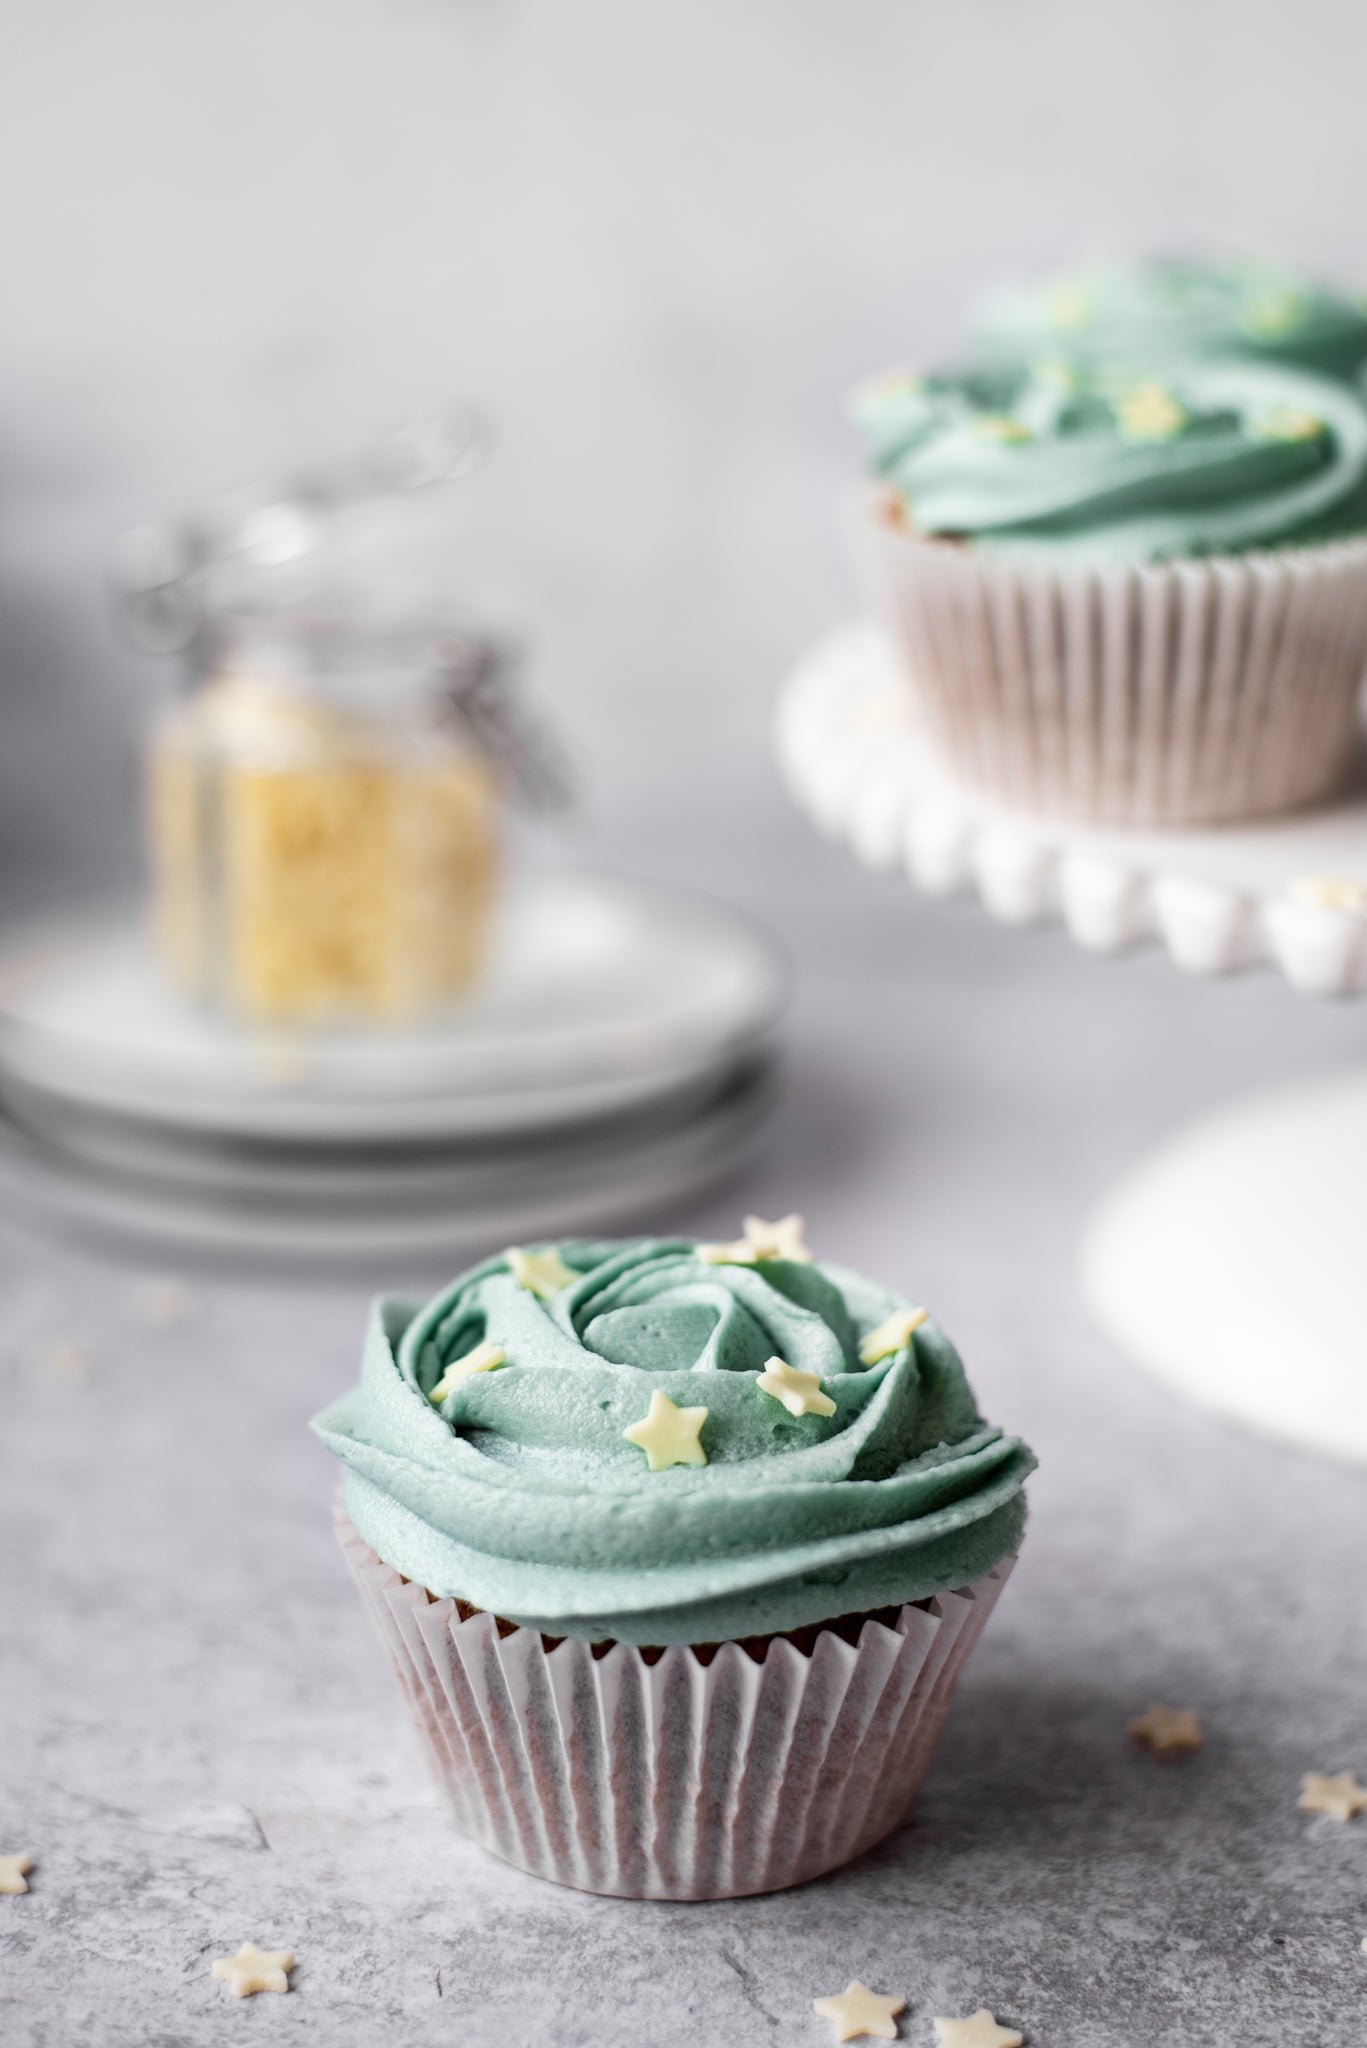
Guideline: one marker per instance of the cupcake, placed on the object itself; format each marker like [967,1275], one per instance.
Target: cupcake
[1133,596]
[1158,307]
[679,1550]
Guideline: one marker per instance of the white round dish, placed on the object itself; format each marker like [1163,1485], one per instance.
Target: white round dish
[1228,1263]
[602,996]
[376,1218]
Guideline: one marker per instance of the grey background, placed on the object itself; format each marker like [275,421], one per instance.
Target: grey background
[659,240]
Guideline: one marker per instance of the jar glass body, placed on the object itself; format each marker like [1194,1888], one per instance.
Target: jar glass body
[323,834]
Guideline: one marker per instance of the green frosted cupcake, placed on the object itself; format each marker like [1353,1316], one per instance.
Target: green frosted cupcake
[727,1494]
[1131,594]
[1155,308]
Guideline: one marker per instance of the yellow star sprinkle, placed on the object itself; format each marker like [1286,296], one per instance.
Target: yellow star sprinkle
[1000,426]
[800,1392]
[893,1335]
[979,2030]
[1342,1797]
[1069,306]
[1273,310]
[1288,423]
[13,1873]
[484,1358]
[1167,1731]
[1149,413]
[668,1435]
[895,384]
[860,2011]
[541,1273]
[255,1969]
[781,1240]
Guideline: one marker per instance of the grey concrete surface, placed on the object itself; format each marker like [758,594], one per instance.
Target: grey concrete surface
[658,242]
[200,1744]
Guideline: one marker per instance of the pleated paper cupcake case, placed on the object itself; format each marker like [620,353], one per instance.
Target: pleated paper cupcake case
[1184,692]
[674,1779]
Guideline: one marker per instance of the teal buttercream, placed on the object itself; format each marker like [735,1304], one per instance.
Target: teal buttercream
[1162,306]
[520,1494]
[1114,465]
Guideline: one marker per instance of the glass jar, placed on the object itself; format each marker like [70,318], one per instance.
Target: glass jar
[323,822]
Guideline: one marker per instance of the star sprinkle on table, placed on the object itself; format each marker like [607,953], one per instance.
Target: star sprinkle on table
[892,1336]
[979,2030]
[484,1358]
[1341,1797]
[541,1273]
[255,1969]
[800,1392]
[14,1872]
[860,2011]
[1167,1731]
[668,1435]
[781,1240]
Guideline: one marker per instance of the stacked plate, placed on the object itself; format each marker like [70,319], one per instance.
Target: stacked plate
[619,1057]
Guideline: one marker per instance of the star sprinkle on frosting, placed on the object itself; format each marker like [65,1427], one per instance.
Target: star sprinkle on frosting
[668,1435]
[1342,1798]
[858,2011]
[541,1273]
[1273,311]
[1288,423]
[892,1336]
[979,2030]
[800,1392]
[1167,1731]
[14,1873]
[781,1240]
[1000,426]
[1070,306]
[484,1358]
[895,384]
[255,1969]
[1149,413]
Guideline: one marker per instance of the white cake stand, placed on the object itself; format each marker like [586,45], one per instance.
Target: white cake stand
[1270,1323]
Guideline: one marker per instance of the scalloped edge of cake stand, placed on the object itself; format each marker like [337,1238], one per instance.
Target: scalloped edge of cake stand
[1219,900]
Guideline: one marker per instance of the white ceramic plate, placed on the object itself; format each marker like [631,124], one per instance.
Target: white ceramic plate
[602,995]
[618,1180]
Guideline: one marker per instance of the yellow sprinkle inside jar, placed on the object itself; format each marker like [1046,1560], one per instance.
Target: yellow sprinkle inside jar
[317,863]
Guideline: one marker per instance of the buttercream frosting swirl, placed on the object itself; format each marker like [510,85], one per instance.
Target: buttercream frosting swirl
[1115,464]
[1159,306]
[518,1491]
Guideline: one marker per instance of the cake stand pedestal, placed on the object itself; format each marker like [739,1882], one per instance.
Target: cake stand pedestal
[1233,1262]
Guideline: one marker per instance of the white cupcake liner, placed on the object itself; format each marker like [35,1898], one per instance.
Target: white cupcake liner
[1192,692]
[674,1779]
